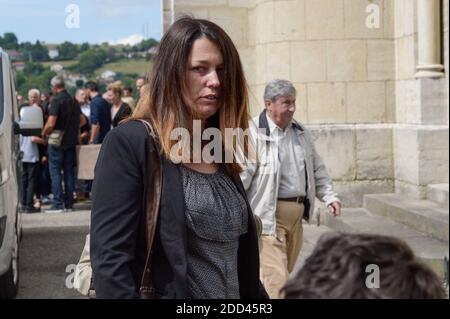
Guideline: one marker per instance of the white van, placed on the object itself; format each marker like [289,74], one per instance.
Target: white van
[10,174]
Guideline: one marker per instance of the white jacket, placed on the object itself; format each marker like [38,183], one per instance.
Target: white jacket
[261,178]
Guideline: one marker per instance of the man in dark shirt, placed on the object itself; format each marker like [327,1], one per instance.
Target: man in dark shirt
[64,115]
[100,114]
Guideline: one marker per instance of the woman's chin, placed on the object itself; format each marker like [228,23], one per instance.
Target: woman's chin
[206,111]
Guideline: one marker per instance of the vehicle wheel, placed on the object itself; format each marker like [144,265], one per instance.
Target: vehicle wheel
[9,282]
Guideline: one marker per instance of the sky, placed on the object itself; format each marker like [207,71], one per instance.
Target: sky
[56,21]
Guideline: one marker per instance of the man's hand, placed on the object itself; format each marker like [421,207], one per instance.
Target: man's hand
[335,208]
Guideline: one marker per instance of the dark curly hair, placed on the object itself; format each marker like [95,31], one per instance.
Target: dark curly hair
[337,270]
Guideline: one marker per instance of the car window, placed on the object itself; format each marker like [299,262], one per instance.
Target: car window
[2,101]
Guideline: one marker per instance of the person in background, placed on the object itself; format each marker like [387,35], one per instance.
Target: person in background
[108,97]
[140,81]
[83,100]
[128,97]
[283,184]
[100,114]
[119,109]
[30,163]
[20,101]
[65,116]
[45,184]
[363,266]
[85,134]
[46,100]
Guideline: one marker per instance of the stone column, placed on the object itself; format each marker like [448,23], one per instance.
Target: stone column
[429,39]
[167,13]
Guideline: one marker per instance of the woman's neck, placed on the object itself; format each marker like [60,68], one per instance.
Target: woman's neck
[117,104]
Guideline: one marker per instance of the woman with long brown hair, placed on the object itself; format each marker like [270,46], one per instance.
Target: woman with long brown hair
[119,109]
[164,227]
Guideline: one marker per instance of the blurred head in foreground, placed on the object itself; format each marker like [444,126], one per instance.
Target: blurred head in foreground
[357,266]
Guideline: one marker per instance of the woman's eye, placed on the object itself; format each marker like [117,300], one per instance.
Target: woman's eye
[199,68]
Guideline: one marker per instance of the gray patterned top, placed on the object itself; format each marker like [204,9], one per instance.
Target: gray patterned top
[216,215]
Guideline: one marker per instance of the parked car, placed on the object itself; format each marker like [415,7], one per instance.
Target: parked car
[30,123]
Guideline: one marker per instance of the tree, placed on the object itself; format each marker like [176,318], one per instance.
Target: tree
[34,52]
[84,47]
[32,68]
[111,54]
[67,50]
[90,60]
[147,44]
[9,41]
[25,82]
[39,52]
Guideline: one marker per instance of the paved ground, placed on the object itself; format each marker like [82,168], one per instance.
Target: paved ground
[52,244]
[50,247]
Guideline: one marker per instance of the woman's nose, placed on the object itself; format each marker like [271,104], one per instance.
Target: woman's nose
[213,80]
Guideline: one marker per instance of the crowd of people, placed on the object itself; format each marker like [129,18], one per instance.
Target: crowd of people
[49,169]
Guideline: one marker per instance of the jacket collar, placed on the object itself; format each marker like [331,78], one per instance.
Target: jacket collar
[264,124]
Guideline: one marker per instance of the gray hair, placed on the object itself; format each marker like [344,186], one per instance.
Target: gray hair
[57,81]
[78,92]
[34,91]
[277,88]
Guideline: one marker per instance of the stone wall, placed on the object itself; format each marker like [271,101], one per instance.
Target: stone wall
[421,135]
[357,90]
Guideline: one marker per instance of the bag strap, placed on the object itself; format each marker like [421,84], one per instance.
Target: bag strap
[152,202]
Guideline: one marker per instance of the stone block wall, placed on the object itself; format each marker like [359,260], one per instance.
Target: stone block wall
[357,90]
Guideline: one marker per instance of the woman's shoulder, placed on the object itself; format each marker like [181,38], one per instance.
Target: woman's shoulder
[132,130]
[128,140]
[125,106]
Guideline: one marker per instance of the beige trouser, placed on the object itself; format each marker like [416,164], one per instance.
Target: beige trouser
[279,253]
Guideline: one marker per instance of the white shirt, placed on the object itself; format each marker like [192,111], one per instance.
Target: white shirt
[29,149]
[86,110]
[292,161]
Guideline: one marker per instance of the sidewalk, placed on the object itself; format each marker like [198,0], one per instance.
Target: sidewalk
[80,216]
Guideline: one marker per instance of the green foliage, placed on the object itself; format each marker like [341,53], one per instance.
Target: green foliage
[68,51]
[26,81]
[34,52]
[9,41]
[84,47]
[89,61]
[33,69]
[89,58]
[39,52]
[147,44]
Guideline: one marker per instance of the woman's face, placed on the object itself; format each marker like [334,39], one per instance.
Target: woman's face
[205,68]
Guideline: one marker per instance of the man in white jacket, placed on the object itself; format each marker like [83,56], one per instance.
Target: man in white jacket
[283,182]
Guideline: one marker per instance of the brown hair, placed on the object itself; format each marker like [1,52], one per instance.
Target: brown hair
[337,270]
[165,102]
[116,88]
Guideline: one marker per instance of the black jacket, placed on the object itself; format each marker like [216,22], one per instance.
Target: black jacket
[123,112]
[118,245]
